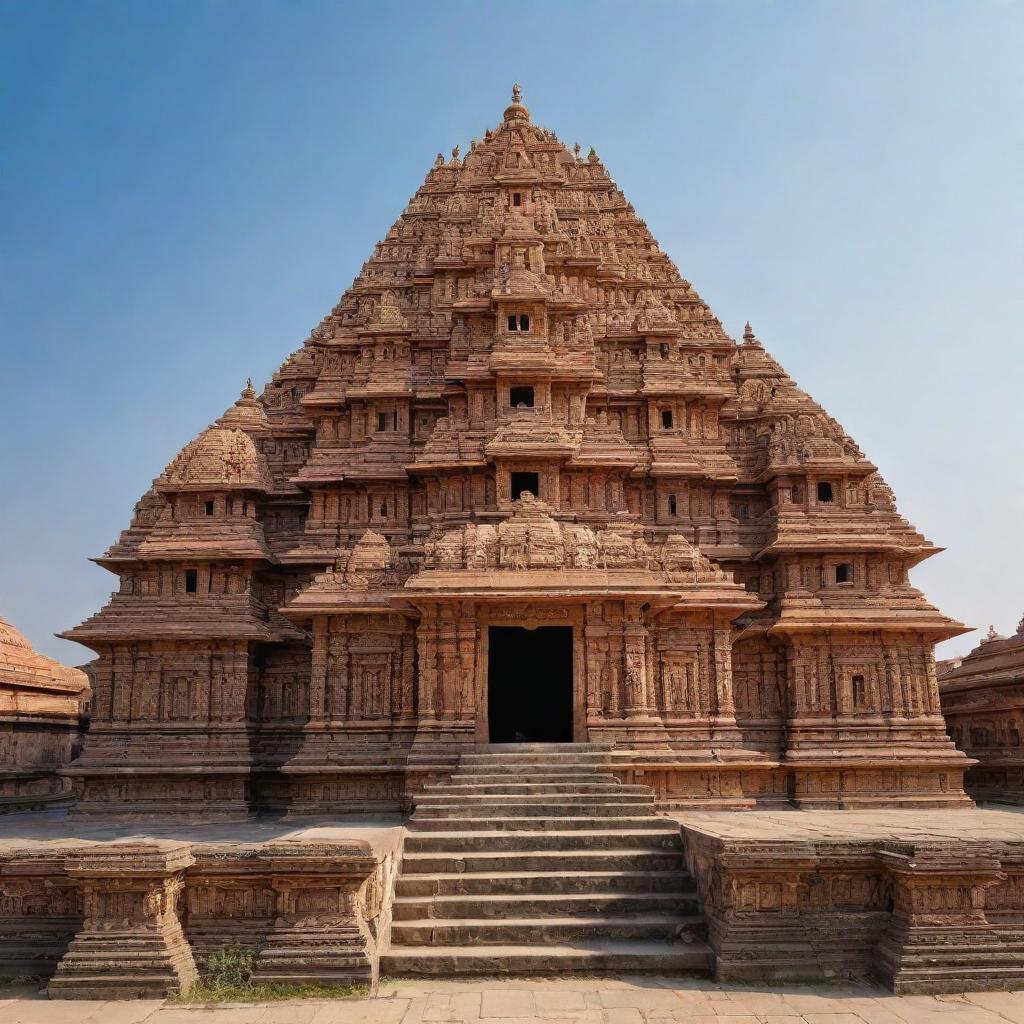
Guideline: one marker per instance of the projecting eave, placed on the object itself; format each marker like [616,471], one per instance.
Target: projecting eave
[841,467]
[879,619]
[308,556]
[577,586]
[848,544]
[444,466]
[982,685]
[306,606]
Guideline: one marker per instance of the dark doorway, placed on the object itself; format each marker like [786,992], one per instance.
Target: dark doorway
[529,684]
[525,482]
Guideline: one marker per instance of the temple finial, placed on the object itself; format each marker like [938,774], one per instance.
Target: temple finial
[248,391]
[517,93]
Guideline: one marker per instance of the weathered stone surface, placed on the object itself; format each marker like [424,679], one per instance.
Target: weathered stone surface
[520,485]
[41,702]
[130,945]
[544,906]
[519,415]
[982,698]
[926,903]
[130,918]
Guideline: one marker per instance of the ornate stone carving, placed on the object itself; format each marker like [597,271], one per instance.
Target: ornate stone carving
[519,401]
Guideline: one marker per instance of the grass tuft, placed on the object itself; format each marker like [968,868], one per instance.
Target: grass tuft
[268,993]
[226,977]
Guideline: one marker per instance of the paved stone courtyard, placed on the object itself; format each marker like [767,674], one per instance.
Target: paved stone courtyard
[633,1000]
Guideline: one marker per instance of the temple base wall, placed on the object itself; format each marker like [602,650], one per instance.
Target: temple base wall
[820,895]
[32,750]
[132,919]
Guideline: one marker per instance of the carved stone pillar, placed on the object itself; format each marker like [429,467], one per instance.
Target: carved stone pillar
[318,670]
[723,673]
[130,944]
[426,640]
[634,638]
[338,677]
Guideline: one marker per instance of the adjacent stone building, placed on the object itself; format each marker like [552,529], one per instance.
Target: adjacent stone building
[982,698]
[518,485]
[40,705]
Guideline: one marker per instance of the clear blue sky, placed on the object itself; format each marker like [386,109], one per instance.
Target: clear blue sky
[187,187]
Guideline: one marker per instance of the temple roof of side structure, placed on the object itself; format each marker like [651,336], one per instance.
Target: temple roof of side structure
[996,660]
[23,668]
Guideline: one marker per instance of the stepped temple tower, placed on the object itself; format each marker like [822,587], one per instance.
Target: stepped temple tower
[519,485]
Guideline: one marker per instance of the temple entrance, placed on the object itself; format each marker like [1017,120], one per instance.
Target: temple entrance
[529,684]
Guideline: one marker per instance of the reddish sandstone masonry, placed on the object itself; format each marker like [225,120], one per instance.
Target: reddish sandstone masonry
[40,705]
[305,593]
[983,701]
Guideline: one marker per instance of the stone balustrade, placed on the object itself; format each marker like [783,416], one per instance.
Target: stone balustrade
[132,918]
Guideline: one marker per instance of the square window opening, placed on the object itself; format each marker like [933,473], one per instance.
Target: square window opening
[825,493]
[524,322]
[513,323]
[525,482]
[191,581]
[517,198]
[521,397]
[844,572]
[209,508]
[672,506]
[666,419]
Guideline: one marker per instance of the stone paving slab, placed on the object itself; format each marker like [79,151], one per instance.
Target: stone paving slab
[59,825]
[598,1000]
[794,825]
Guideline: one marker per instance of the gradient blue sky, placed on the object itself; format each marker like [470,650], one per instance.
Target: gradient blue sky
[188,187]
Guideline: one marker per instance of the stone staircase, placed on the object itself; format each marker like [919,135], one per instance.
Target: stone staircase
[534,858]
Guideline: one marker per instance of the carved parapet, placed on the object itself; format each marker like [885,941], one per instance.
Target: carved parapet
[939,938]
[131,943]
[787,910]
[324,894]
[817,896]
[40,908]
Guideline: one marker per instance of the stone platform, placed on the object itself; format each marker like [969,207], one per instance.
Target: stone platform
[927,901]
[923,901]
[110,912]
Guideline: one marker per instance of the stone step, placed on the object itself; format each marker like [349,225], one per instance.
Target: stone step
[529,883]
[565,841]
[537,930]
[556,861]
[590,958]
[536,762]
[541,748]
[567,778]
[517,905]
[502,787]
[551,772]
[518,807]
[494,822]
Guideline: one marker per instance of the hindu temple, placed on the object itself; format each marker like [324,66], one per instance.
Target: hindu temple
[602,623]
[518,484]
